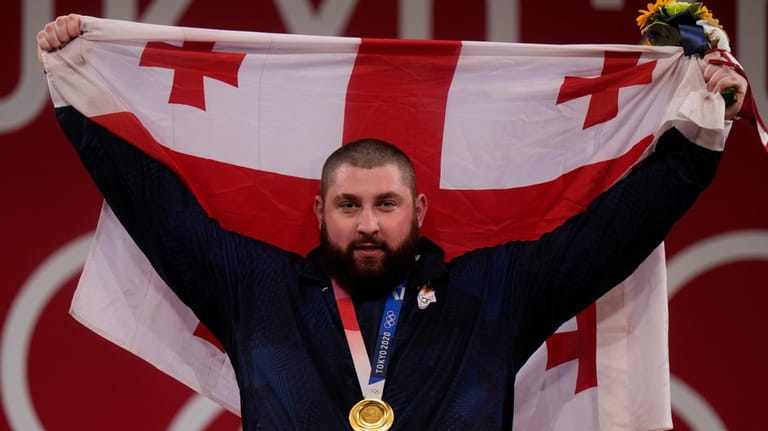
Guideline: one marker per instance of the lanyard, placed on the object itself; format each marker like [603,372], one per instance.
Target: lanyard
[373,370]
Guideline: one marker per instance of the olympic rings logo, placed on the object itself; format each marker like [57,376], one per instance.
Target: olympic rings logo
[390,319]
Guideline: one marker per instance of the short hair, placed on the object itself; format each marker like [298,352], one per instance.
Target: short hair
[368,153]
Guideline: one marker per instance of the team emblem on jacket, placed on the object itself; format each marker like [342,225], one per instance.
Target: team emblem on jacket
[426,296]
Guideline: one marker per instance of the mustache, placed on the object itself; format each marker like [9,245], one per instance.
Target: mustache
[368,241]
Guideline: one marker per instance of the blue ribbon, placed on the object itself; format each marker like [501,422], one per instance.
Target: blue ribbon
[385,343]
[692,36]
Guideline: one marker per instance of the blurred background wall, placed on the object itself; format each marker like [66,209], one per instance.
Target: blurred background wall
[65,377]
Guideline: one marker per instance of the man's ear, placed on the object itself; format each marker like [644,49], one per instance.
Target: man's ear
[421,208]
[317,207]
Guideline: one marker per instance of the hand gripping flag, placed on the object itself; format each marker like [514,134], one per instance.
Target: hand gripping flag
[508,141]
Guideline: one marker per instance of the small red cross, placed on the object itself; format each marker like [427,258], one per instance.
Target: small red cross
[191,62]
[580,345]
[620,69]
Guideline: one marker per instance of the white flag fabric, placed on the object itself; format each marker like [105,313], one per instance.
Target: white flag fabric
[551,126]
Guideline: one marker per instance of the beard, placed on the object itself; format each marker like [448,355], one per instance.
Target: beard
[365,277]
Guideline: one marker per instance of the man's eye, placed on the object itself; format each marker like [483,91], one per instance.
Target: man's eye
[387,204]
[348,205]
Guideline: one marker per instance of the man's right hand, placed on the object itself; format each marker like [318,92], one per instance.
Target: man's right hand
[57,33]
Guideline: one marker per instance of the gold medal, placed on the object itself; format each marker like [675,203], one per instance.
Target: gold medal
[371,415]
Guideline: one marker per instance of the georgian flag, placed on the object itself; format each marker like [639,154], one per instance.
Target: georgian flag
[508,141]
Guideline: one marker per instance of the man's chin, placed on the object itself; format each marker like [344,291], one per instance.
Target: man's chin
[368,278]
[369,264]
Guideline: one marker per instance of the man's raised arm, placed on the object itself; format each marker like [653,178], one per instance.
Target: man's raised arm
[194,255]
[571,267]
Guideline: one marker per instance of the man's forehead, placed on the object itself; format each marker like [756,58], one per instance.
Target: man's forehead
[347,177]
[346,172]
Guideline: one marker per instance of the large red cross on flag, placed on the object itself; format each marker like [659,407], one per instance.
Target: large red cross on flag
[499,149]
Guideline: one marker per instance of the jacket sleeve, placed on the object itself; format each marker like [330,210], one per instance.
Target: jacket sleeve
[554,278]
[204,264]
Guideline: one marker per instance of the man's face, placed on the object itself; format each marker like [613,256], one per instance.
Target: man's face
[369,222]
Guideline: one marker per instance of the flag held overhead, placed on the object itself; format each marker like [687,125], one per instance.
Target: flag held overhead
[508,140]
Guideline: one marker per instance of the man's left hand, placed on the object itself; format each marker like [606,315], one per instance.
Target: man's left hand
[719,77]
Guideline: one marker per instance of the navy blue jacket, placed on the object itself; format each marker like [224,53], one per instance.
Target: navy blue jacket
[454,362]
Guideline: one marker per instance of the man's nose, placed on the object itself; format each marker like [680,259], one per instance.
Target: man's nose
[368,223]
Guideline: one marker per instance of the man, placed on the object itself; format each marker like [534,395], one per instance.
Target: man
[448,364]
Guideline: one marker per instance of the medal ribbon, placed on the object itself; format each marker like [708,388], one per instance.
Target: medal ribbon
[373,370]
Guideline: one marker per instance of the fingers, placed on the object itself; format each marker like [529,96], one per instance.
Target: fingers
[42,42]
[47,39]
[719,74]
[73,25]
[725,77]
[58,32]
[60,28]
[715,72]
